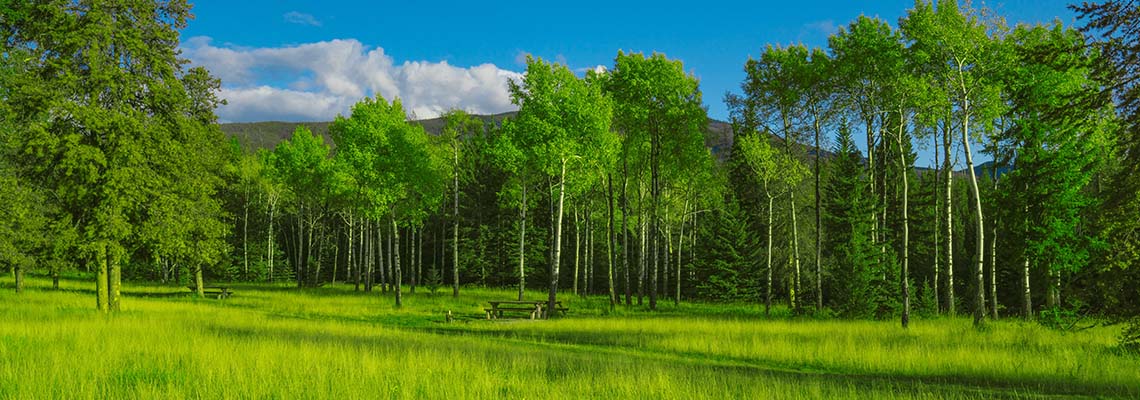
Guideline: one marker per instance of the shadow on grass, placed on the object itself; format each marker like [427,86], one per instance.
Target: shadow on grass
[624,345]
[126,291]
[596,358]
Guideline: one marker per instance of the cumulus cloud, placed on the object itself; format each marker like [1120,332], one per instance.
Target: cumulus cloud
[520,58]
[265,103]
[300,18]
[315,81]
[825,27]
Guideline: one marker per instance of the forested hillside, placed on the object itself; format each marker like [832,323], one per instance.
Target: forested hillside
[266,135]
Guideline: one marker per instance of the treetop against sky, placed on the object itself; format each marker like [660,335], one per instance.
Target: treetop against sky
[306,61]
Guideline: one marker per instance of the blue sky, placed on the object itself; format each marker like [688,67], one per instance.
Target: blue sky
[299,60]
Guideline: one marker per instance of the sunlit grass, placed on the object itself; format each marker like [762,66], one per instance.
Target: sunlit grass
[280,342]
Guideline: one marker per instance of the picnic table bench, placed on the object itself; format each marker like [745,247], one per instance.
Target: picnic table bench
[220,291]
[533,307]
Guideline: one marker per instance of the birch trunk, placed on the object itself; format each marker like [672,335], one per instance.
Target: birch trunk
[905,279]
[313,220]
[870,123]
[245,235]
[420,255]
[320,254]
[352,270]
[414,260]
[370,255]
[269,235]
[642,260]
[948,170]
[795,250]
[557,242]
[300,242]
[336,255]
[667,263]
[655,230]
[577,248]
[937,227]
[610,240]
[522,244]
[1025,277]
[589,252]
[642,246]
[379,243]
[625,247]
[795,257]
[397,278]
[680,252]
[993,269]
[979,299]
[393,249]
[768,293]
[455,229]
[993,253]
[818,225]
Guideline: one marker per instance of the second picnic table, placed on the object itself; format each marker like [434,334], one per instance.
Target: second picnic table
[533,307]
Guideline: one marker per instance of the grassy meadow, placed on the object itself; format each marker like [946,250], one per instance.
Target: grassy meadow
[272,341]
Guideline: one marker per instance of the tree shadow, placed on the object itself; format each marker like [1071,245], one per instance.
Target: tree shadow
[622,345]
[503,346]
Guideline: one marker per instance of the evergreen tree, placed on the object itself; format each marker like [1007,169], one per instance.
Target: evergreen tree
[727,269]
[1059,129]
[1116,24]
[848,220]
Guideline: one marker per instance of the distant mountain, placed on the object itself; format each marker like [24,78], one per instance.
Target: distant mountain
[983,169]
[986,168]
[266,135]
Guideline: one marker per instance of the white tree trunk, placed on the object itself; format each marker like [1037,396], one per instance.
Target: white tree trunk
[768,294]
[979,299]
[905,279]
[557,242]
[522,243]
[455,229]
[577,248]
[397,276]
[948,170]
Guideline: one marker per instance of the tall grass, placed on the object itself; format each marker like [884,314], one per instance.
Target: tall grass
[278,342]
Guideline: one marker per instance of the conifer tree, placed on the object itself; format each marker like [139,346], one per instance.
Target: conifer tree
[847,218]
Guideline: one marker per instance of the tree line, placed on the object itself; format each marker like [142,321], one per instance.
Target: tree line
[114,163]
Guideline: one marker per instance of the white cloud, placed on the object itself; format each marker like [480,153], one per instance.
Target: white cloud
[264,103]
[300,18]
[315,81]
[520,58]
[825,27]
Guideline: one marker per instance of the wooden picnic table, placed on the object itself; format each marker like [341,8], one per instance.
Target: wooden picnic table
[220,291]
[533,307]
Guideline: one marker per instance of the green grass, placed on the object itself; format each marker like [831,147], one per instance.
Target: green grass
[279,342]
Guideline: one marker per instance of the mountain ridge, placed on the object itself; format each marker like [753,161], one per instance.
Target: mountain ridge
[267,134]
[718,137]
